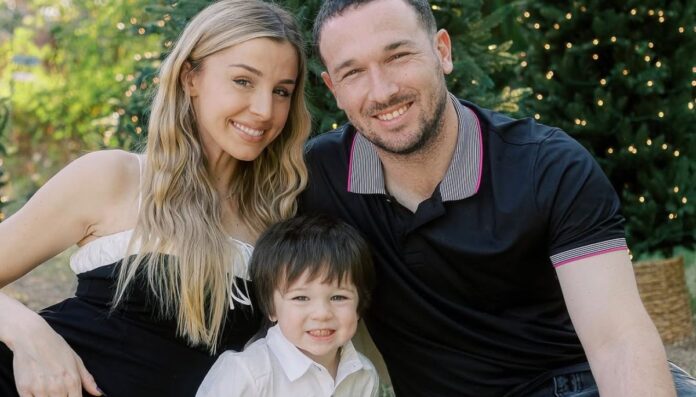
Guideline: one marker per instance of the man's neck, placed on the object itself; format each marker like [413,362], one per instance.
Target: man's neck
[412,179]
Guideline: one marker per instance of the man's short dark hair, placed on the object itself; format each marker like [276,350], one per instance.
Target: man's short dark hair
[321,245]
[332,8]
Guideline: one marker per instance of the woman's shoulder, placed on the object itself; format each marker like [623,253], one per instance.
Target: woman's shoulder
[111,170]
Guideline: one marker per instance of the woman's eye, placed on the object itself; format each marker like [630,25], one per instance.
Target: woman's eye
[282,92]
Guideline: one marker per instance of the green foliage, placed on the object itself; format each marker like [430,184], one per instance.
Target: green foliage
[618,76]
[477,54]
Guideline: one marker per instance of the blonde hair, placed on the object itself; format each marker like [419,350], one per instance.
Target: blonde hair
[182,246]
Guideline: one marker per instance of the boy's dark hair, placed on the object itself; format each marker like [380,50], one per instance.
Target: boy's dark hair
[321,245]
[332,8]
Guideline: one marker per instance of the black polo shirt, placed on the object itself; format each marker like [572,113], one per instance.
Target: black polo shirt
[467,301]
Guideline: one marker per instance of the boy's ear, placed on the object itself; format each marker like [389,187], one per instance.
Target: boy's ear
[273,318]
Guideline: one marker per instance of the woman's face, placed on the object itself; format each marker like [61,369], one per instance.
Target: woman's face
[241,96]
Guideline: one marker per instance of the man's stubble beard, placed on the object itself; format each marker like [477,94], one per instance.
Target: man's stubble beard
[429,128]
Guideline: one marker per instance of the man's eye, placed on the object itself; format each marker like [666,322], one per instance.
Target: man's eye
[350,73]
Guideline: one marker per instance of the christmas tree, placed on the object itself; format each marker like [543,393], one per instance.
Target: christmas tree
[619,77]
[477,56]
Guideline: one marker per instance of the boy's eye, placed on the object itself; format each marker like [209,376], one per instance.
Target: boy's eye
[300,298]
[339,298]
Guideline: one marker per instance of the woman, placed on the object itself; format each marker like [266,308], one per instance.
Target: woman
[164,237]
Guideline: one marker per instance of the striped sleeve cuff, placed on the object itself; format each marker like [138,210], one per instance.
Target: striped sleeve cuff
[587,251]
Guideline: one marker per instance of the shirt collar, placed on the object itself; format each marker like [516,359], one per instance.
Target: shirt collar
[463,177]
[293,362]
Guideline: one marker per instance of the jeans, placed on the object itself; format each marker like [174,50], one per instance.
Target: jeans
[582,384]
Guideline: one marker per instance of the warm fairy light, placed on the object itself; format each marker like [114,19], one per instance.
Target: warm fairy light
[632,149]
[625,72]
[690,106]
[134,119]
[120,26]
[569,16]
[167,17]
[662,19]
[641,199]
[664,146]
[600,103]
[693,83]
[537,116]
[492,47]
[556,26]
[648,142]
[672,216]
[160,23]
[676,189]
[168,43]
[660,114]
[141,31]
[539,97]
[569,45]
[633,11]
[537,26]
[676,153]
[595,41]
[649,83]
[603,82]
[660,12]
[595,56]
[651,44]
[651,12]
[527,14]
[435,7]
[137,57]
[547,46]
[583,123]
[610,150]
[613,39]
[658,64]
[334,126]
[681,29]
[647,58]
[577,121]
[523,64]
[549,75]
[138,130]
[133,21]
[684,200]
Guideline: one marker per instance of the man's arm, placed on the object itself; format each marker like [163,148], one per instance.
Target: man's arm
[623,347]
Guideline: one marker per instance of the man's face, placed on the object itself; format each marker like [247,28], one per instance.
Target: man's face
[387,73]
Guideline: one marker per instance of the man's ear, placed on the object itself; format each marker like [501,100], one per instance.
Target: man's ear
[443,48]
[329,84]
[188,79]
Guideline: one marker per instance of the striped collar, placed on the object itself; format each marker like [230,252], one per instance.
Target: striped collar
[463,177]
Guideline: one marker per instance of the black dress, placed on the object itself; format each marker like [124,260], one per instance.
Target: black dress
[133,351]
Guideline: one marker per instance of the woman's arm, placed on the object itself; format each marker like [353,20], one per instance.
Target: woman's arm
[88,197]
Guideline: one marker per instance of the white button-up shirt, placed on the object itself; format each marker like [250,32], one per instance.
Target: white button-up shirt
[273,367]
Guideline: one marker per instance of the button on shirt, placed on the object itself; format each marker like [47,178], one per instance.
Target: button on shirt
[274,367]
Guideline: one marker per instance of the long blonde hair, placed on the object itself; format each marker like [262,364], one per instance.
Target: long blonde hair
[182,247]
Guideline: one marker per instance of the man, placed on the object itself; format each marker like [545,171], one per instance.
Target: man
[489,234]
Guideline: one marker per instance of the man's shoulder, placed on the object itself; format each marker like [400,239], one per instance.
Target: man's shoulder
[332,142]
[510,130]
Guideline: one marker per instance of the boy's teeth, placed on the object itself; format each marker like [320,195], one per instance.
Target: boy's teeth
[248,130]
[390,116]
[320,332]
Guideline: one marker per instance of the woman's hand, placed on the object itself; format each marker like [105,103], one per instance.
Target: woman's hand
[44,365]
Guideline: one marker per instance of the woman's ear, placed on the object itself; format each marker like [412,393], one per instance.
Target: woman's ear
[188,79]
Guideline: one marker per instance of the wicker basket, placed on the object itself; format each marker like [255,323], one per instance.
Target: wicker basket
[662,288]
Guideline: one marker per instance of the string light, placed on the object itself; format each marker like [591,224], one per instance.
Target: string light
[641,199]
[633,11]
[610,150]
[539,97]
[600,102]
[625,72]
[595,56]
[648,142]
[684,200]
[527,14]
[676,189]
[603,82]
[595,41]
[660,114]
[547,46]
[556,26]
[133,21]
[537,26]
[120,26]
[649,83]
[569,16]
[658,64]
[613,39]
[549,75]
[537,116]
[569,45]
[676,153]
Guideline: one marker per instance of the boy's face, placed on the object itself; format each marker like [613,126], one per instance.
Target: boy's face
[317,317]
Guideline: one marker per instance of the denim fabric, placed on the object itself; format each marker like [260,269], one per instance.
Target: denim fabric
[582,384]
